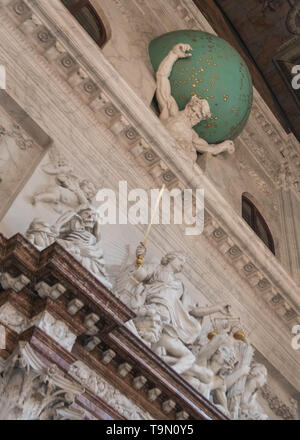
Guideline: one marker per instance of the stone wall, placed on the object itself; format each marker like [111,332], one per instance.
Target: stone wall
[19,154]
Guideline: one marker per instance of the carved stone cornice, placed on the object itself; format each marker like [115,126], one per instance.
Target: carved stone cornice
[281,409]
[83,309]
[100,387]
[23,258]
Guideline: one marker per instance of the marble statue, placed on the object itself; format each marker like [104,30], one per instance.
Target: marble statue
[32,390]
[236,381]
[181,123]
[221,369]
[68,189]
[249,406]
[224,372]
[79,233]
[163,317]
[212,364]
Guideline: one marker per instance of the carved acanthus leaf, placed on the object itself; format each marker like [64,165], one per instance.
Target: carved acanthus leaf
[107,392]
[29,390]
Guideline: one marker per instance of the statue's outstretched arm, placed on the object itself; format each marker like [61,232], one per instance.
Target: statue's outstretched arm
[209,349]
[142,273]
[53,170]
[167,104]
[232,378]
[203,147]
[199,312]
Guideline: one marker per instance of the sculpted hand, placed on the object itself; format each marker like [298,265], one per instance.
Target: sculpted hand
[140,250]
[245,370]
[181,49]
[225,309]
[230,146]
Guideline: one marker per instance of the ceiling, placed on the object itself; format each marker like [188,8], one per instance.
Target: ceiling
[267,35]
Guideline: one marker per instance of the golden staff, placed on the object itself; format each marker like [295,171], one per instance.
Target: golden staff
[139,260]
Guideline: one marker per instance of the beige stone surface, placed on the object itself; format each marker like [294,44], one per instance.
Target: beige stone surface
[91,143]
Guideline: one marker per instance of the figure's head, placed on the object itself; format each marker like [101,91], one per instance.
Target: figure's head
[259,373]
[197,110]
[225,357]
[88,189]
[149,326]
[89,217]
[175,260]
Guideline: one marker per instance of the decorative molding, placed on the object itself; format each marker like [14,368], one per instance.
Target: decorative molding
[56,329]
[22,141]
[272,5]
[18,154]
[14,320]
[17,283]
[282,410]
[290,167]
[31,391]
[101,388]
[293,17]
[261,183]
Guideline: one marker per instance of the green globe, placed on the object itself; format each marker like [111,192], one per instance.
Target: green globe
[215,72]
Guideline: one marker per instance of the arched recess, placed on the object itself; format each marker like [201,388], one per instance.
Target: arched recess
[91,17]
[256,221]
